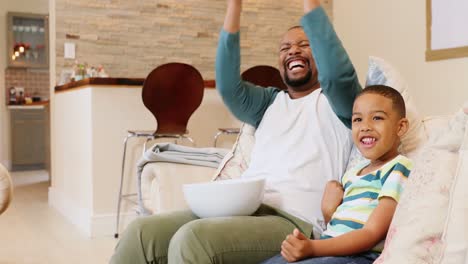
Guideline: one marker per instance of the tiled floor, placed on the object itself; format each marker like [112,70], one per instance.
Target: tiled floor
[31,232]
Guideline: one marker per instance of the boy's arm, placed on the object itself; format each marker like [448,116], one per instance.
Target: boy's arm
[245,100]
[336,73]
[332,198]
[295,247]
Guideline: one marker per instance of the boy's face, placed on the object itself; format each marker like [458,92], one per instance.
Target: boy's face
[377,127]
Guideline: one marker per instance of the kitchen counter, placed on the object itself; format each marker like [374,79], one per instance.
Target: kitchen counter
[114,82]
[34,105]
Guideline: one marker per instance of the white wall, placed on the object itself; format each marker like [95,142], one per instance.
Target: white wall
[26,6]
[396,31]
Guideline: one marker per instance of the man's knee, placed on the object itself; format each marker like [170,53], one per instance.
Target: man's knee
[147,239]
[191,244]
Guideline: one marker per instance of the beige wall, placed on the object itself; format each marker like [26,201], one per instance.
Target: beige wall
[396,31]
[27,6]
[131,38]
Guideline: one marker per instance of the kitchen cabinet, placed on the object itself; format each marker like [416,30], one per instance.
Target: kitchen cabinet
[28,40]
[29,138]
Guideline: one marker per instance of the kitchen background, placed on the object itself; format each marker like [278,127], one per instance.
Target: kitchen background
[130,39]
[35,82]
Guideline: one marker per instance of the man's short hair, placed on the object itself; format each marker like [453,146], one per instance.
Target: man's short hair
[386,91]
[294,27]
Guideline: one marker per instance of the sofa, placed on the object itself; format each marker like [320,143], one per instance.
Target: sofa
[437,143]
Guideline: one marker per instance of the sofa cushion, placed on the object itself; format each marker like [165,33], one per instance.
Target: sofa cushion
[416,232]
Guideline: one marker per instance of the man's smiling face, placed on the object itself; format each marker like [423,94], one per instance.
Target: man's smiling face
[297,66]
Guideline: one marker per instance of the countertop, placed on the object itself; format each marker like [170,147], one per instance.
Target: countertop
[34,105]
[113,81]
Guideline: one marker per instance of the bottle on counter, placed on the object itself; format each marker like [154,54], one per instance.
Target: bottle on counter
[12,96]
[20,98]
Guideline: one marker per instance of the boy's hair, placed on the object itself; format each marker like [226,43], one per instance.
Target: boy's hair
[390,93]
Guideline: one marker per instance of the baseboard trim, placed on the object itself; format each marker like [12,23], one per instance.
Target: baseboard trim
[105,224]
[80,217]
[91,225]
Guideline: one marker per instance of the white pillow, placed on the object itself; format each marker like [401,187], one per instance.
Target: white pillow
[416,233]
[381,72]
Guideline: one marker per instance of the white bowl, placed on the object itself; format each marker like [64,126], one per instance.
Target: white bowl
[225,198]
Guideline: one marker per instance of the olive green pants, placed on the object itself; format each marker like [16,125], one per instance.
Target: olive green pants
[183,238]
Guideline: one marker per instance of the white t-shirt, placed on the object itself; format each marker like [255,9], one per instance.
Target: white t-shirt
[300,146]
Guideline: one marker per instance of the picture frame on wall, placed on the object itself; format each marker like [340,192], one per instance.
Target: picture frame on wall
[447,30]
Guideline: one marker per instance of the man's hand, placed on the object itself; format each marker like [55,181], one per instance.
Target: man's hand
[296,247]
[332,198]
[310,5]
[232,19]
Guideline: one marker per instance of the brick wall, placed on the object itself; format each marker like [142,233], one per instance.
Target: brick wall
[130,38]
[34,81]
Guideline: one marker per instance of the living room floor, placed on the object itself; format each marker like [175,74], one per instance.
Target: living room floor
[31,232]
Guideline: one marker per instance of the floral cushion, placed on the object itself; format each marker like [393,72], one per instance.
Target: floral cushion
[455,233]
[418,230]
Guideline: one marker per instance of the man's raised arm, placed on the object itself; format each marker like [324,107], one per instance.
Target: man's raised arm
[246,101]
[336,73]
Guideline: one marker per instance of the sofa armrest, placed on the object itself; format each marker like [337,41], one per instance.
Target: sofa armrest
[162,184]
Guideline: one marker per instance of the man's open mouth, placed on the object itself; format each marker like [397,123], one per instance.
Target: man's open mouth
[296,64]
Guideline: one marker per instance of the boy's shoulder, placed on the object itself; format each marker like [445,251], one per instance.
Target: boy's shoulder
[400,165]
[398,162]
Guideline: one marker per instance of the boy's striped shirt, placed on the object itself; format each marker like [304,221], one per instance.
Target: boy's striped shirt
[362,194]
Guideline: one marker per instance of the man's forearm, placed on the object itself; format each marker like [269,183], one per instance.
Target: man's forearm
[232,19]
[246,101]
[336,74]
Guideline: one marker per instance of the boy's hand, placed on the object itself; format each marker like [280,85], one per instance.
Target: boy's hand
[296,247]
[332,198]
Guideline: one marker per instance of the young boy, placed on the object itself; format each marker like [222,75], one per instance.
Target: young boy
[359,210]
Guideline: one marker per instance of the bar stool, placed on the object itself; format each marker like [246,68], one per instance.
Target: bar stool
[261,75]
[171,92]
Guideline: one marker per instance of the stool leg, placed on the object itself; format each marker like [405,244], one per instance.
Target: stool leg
[141,208]
[119,201]
[216,138]
[189,139]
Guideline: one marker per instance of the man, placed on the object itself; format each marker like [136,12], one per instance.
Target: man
[301,143]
